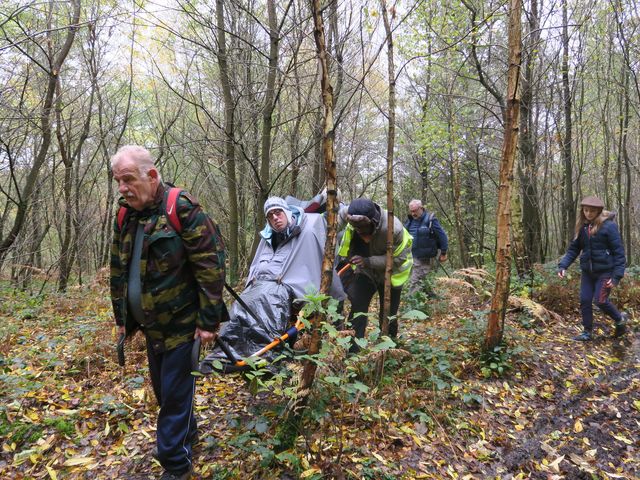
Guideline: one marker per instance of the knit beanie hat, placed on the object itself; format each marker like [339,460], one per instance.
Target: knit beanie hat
[277,203]
[363,212]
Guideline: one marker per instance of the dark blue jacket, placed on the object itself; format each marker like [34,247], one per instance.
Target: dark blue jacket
[601,253]
[426,241]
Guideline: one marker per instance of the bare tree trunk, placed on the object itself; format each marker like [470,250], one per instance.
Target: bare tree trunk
[531,224]
[624,198]
[229,145]
[269,105]
[391,138]
[568,208]
[456,191]
[295,409]
[68,251]
[512,121]
[521,258]
[57,60]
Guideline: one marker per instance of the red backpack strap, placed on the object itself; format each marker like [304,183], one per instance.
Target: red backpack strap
[122,212]
[171,209]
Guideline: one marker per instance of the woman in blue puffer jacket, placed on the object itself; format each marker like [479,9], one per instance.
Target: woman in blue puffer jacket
[602,262]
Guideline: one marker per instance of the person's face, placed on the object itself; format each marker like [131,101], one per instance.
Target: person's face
[277,219]
[416,212]
[590,212]
[138,190]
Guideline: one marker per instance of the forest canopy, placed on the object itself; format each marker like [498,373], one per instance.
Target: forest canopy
[226,96]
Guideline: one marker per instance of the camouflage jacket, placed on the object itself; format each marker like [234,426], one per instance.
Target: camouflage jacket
[182,274]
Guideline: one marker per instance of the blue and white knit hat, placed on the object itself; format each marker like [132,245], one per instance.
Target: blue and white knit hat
[277,203]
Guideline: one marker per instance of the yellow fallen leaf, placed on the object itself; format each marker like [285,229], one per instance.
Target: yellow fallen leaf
[379,457]
[52,473]
[66,411]
[139,393]
[311,471]
[577,426]
[623,439]
[555,465]
[33,416]
[591,453]
[406,429]
[72,462]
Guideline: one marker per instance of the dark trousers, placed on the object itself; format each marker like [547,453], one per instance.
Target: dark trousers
[592,289]
[174,388]
[361,290]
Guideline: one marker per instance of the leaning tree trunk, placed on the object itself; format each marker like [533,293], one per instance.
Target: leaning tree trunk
[293,416]
[503,251]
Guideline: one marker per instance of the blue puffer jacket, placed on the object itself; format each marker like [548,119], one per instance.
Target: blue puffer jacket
[426,241]
[602,252]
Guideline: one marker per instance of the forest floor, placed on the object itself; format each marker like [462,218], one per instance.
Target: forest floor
[543,407]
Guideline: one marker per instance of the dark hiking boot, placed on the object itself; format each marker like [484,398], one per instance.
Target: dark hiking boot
[621,328]
[176,476]
[585,336]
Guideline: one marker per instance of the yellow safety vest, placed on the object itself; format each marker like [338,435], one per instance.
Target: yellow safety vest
[403,273]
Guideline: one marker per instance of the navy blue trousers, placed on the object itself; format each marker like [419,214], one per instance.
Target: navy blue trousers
[593,290]
[174,388]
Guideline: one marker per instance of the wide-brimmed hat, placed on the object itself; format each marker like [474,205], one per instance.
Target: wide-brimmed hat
[592,202]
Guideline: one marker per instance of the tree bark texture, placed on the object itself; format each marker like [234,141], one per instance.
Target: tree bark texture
[569,209]
[309,368]
[531,219]
[229,144]
[391,137]
[512,121]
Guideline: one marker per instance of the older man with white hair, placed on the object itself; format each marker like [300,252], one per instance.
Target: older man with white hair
[167,279]
[428,237]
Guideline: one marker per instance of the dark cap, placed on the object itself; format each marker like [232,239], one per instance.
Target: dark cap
[361,210]
[592,202]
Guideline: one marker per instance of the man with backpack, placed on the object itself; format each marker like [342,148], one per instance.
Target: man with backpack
[428,237]
[167,277]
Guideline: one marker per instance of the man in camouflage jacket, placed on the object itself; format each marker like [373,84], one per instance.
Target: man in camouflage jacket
[169,285]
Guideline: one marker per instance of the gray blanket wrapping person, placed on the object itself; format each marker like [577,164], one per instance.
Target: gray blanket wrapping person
[276,280]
